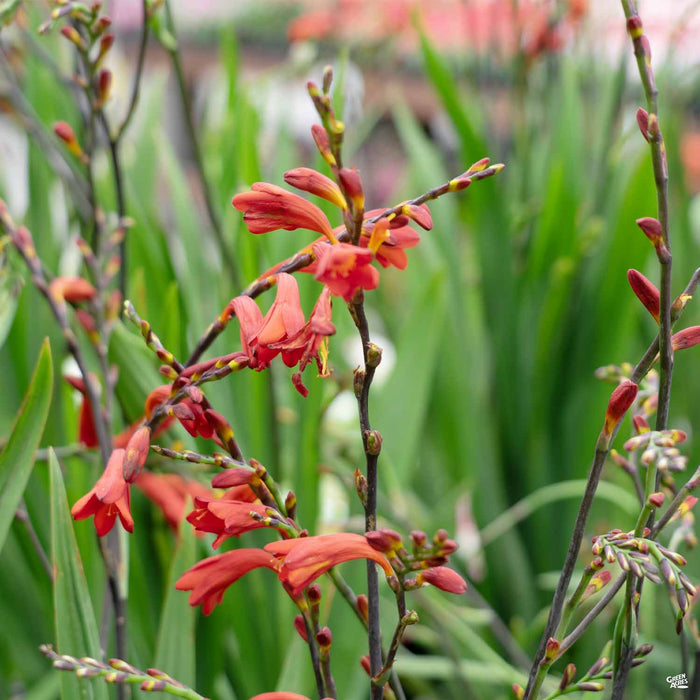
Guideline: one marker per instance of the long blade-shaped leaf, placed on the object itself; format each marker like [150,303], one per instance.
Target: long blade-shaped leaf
[17,458]
[76,628]
[175,652]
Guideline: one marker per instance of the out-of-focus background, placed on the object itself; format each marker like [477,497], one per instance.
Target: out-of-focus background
[491,337]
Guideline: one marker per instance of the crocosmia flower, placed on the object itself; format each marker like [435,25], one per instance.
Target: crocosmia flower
[108,499]
[345,268]
[270,208]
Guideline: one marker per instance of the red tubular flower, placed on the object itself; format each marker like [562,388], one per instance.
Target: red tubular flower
[316,183]
[307,344]
[209,579]
[170,493]
[250,319]
[269,208]
[391,250]
[646,292]
[345,268]
[204,520]
[236,516]
[307,558]
[443,578]
[283,321]
[108,498]
[87,432]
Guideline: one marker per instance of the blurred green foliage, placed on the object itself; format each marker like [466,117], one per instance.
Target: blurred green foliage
[508,306]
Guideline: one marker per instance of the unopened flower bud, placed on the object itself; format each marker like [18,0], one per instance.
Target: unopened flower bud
[373,440]
[567,676]
[323,144]
[104,86]
[620,400]
[686,338]
[656,499]
[418,538]
[635,27]
[518,691]
[445,579]
[290,503]
[646,292]
[106,43]
[324,638]
[101,24]
[590,687]
[640,423]
[361,486]
[374,355]
[352,185]
[65,132]
[363,606]
[358,382]
[73,35]
[551,650]
[327,79]
[136,453]
[385,540]
[364,662]
[74,290]
[643,122]
[441,536]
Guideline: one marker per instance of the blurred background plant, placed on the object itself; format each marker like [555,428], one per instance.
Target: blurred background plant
[486,395]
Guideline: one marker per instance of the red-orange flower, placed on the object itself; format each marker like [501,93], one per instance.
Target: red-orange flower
[391,250]
[108,498]
[283,321]
[209,579]
[307,558]
[307,344]
[297,562]
[269,208]
[170,493]
[204,520]
[345,268]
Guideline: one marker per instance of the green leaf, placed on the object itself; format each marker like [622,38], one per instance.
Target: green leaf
[17,458]
[175,650]
[76,628]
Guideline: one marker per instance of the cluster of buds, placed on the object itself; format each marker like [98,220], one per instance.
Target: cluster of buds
[119,671]
[645,558]
[425,563]
[592,680]
[659,446]
[87,31]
